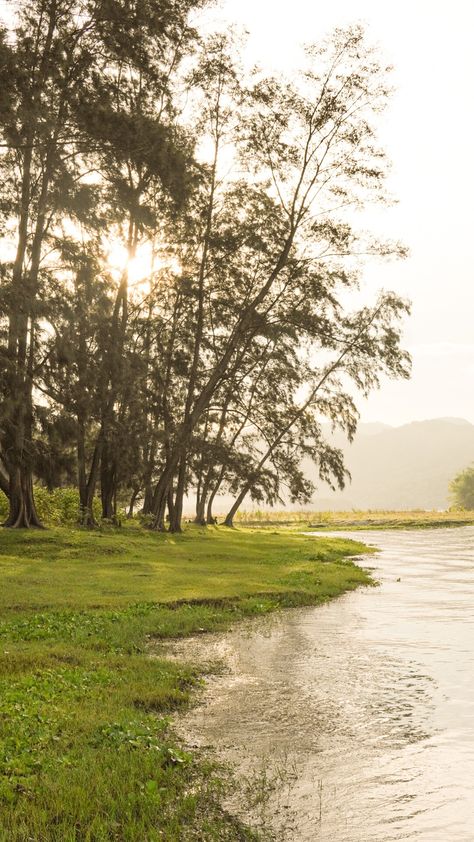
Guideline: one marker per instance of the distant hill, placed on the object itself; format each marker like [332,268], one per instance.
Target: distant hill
[401,467]
[408,467]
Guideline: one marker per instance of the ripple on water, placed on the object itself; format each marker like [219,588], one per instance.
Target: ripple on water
[363,708]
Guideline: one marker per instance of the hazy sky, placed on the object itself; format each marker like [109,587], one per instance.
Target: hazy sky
[428,132]
[429,135]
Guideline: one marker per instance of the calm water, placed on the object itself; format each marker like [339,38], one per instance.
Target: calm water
[364,708]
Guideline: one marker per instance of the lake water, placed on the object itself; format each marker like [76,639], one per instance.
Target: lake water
[360,711]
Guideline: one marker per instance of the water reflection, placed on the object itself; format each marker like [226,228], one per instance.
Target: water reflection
[363,708]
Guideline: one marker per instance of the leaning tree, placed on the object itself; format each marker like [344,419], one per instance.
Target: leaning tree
[279,241]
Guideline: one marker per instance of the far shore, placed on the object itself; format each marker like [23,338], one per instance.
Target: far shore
[357,519]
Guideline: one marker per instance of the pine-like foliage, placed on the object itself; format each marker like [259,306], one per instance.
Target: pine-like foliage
[235,322]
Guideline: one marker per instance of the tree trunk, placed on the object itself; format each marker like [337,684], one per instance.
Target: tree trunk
[160,495]
[86,501]
[171,510]
[200,518]
[160,500]
[22,514]
[147,508]
[177,515]
[107,483]
[4,481]
[87,485]
[229,520]
[159,521]
[210,519]
[131,505]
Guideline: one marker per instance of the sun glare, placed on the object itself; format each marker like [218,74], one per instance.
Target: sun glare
[139,267]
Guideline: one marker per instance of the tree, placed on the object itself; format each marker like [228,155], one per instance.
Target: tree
[63,60]
[462,489]
[276,236]
[216,371]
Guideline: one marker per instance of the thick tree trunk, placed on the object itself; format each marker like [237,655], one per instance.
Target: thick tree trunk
[160,495]
[4,482]
[201,508]
[200,518]
[159,520]
[18,430]
[147,508]
[175,515]
[22,514]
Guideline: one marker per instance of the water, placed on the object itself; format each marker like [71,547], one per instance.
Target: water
[362,708]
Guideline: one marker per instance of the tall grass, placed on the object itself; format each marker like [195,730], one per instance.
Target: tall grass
[370,518]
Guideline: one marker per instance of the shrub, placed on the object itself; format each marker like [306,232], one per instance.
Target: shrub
[59,507]
[3,506]
[462,489]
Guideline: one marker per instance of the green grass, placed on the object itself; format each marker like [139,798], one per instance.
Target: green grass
[87,752]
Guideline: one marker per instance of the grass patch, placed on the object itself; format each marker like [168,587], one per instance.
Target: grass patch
[87,752]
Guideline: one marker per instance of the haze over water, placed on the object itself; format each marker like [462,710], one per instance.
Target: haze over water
[365,704]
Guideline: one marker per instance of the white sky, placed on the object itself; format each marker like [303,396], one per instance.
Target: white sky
[428,132]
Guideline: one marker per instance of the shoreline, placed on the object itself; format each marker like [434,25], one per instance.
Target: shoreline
[86,709]
[364,521]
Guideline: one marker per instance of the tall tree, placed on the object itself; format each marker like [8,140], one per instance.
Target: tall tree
[63,55]
[278,236]
[216,370]
[41,72]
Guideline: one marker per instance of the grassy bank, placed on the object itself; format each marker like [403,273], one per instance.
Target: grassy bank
[86,748]
[370,519]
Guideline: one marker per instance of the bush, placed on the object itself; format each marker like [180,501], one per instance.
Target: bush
[3,507]
[462,489]
[59,507]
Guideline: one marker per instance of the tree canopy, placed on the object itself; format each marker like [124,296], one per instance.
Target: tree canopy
[462,489]
[182,306]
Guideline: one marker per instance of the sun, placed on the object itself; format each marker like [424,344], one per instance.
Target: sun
[147,261]
[139,267]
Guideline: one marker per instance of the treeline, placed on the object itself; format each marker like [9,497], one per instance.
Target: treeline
[178,295]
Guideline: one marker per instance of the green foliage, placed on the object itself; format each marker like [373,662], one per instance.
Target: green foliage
[131,382]
[462,489]
[59,507]
[29,706]
[3,506]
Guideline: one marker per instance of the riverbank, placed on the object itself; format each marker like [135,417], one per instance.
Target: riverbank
[347,718]
[86,747]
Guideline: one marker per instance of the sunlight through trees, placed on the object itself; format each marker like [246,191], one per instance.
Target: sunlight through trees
[180,250]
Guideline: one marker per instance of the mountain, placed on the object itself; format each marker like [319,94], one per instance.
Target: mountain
[403,467]
[407,467]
